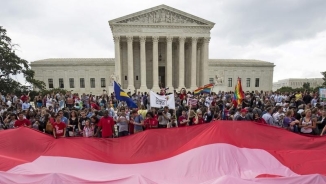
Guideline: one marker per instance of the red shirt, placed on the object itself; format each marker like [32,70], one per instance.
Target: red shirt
[95,106]
[20,123]
[23,98]
[181,96]
[200,121]
[213,103]
[107,126]
[156,116]
[260,120]
[59,128]
[151,123]
[52,120]
[181,118]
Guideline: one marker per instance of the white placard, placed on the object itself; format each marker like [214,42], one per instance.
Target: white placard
[159,101]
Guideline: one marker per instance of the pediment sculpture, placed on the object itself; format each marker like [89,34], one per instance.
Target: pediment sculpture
[162,16]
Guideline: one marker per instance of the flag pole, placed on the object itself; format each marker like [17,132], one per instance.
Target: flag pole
[189,109]
[211,90]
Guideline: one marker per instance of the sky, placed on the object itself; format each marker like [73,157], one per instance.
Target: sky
[289,33]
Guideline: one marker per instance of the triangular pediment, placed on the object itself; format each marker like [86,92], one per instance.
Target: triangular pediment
[161,15]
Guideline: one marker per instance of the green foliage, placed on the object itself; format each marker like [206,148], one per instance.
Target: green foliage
[32,94]
[306,86]
[316,89]
[11,64]
[285,89]
[324,77]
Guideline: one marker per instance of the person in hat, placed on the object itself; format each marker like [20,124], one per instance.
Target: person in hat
[242,116]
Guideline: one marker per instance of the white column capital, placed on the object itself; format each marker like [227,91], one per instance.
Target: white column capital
[182,38]
[207,39]
[194,39]
[155,39]
[169,38]
[130,38]
[116,38]
[142,38]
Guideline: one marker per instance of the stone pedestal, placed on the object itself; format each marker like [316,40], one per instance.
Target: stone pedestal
[219,87]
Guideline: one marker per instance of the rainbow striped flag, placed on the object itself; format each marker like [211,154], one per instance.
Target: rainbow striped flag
[204,89]
[238,93]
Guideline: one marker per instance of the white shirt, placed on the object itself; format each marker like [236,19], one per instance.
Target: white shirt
[9,103]
[268,118]
[25,106]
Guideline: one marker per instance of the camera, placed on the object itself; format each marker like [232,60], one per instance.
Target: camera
[160,112]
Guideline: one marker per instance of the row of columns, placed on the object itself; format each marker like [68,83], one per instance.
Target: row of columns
[169,39]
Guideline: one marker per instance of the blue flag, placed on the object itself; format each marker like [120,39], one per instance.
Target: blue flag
[123,96]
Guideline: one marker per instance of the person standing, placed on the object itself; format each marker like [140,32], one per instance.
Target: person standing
[59,128]
[106,124]
[21,121]
[164,118]
[82,121]
[268,117]
[183,120]
[137,120]
[123,121]
[242,115]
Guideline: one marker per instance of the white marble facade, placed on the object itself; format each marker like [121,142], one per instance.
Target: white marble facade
[168,43]
[297,83]
[160,46]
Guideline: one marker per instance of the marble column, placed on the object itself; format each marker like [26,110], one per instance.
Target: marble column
[168,68]
[143,85]
[199,66]
[202,63]
[193,63]
[182,62]
[204,78]
[156,87]
[117,59]
[131,85]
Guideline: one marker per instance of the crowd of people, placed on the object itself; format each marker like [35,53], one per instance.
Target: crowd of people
[87,115]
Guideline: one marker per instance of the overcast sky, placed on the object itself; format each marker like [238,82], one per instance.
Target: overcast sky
[289,33]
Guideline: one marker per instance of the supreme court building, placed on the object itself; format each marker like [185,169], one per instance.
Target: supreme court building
[156,47]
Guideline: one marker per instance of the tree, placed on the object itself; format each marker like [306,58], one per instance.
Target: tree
[316,89]
[11,65]
[285,89]
[306,86]
[324,77]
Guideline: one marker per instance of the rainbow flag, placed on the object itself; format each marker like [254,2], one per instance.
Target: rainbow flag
[238,93]
[204,89]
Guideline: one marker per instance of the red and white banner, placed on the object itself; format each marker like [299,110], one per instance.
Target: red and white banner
[219,152]
[192,101]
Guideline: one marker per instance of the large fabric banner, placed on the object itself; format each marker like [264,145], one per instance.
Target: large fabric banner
[160,101]
[213,153]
